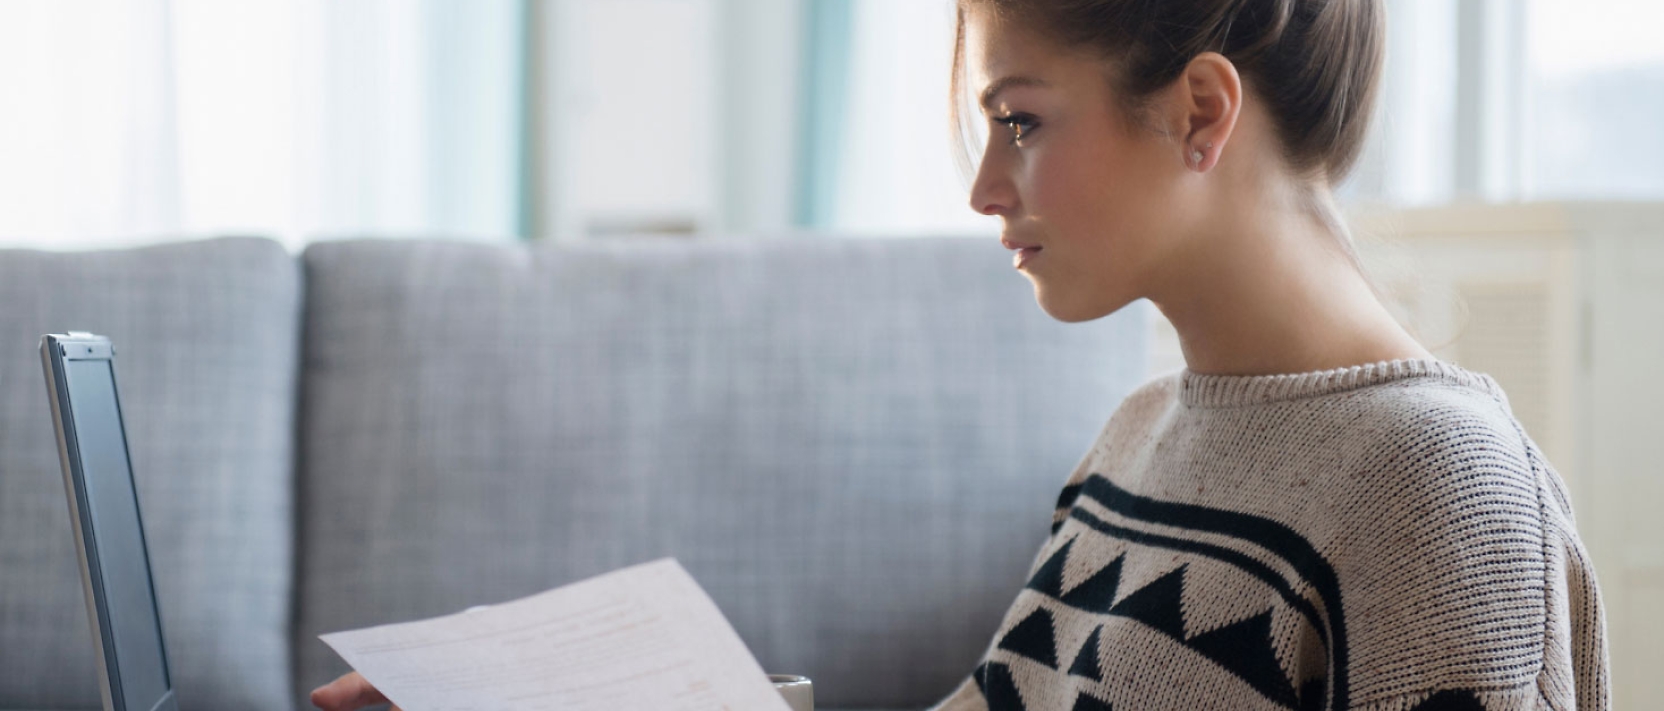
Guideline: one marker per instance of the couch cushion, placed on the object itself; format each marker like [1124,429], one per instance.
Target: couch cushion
[854,445]
[207,338]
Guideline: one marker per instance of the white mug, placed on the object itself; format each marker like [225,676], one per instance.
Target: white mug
[798,690]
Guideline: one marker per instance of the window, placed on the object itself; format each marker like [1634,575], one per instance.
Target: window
[1595,88]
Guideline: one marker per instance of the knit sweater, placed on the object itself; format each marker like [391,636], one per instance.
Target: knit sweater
[1381,537]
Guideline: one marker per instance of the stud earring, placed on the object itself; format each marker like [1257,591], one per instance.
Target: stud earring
[1196,155]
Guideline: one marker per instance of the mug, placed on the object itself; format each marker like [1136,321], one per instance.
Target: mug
[798,691]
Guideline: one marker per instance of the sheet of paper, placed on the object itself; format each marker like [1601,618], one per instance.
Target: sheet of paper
[645,637]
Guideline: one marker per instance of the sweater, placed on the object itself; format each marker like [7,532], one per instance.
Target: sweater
[1381,537]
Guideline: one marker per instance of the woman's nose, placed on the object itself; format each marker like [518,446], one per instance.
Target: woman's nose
[990,197]
[992,193]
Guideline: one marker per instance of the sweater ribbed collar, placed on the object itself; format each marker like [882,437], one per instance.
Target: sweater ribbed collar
[1200,390]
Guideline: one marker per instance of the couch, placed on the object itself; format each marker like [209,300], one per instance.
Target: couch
[854,445]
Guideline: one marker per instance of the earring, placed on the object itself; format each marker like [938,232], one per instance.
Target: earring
[1196,155]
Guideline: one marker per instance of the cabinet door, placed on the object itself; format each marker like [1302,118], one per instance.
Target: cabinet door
[1623,426]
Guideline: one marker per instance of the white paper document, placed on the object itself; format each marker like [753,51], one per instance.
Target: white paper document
[643,638]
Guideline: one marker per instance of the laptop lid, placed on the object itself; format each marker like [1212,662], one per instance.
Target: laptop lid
[109,535]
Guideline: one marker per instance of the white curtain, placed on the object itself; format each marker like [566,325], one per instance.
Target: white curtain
[87,140]
[1594,97]
[897,174]
[134,120]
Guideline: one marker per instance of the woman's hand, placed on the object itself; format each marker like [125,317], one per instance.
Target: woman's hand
[348,693]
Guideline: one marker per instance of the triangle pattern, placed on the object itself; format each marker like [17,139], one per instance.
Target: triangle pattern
[1033,638]
[999,690]
[1157,604]
[1083,702]
[1244,648]
[1086,661]
[1049,578]
[1097,593]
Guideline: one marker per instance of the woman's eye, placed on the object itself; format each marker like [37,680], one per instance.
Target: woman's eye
[1021,125]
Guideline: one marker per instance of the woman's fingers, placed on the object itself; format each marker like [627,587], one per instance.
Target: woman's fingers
[348,693]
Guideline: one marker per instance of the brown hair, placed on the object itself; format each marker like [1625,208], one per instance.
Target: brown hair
[1315,63]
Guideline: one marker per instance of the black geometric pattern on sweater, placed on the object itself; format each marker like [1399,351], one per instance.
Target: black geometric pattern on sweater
[1086,660]
[1451,700]
[1310,569]
[1033,638]
[993,679]
[1095,594]
[1157,604]
[1048,580]
[1245,649]
[1083,702]
[1092,595]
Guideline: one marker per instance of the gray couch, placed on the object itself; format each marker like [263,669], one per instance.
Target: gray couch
[854,445]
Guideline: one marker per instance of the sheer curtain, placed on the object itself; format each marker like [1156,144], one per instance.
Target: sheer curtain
[135,120]
[1593,100]
[88,143]
[898,175]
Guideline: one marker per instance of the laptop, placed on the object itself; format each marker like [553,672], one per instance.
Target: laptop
[109,533]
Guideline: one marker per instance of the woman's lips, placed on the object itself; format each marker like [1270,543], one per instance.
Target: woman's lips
[1025,252]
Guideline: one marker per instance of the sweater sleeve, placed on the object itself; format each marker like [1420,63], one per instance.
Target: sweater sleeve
[1573,674]
[1476,593]
[1575,648]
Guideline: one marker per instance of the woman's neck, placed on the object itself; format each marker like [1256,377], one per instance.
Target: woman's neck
[1271,290]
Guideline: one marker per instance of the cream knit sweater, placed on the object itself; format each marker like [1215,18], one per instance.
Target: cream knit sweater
[1378,537]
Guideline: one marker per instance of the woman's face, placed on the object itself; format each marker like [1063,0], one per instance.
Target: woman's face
[1067,170]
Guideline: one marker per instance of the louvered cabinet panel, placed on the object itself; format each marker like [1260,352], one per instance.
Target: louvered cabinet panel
[1508,335]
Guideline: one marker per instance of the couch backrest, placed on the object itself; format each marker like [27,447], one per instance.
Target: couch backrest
[207,335]
[853,445]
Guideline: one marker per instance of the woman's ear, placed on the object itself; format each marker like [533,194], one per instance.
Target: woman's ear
[1210,97]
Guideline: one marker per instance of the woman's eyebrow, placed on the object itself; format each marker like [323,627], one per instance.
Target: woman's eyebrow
[1003,83]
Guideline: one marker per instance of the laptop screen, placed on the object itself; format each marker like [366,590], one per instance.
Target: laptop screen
[119,564]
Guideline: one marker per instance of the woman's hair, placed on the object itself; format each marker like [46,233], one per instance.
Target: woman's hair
[1315,63]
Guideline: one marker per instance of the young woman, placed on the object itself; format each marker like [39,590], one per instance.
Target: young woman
[1315,513]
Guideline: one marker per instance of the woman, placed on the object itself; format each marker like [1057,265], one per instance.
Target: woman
[1315,513]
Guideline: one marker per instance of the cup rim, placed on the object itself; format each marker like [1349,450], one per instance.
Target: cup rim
[788,679]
